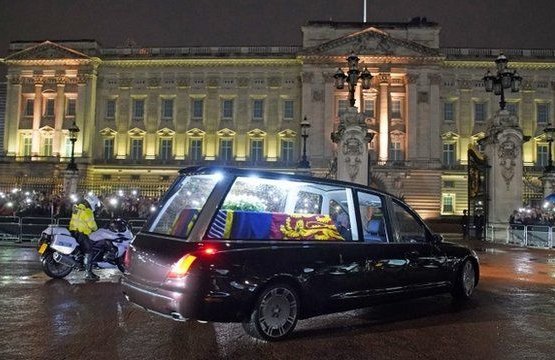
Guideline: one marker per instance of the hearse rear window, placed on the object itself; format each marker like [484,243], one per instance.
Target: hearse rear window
[182,205]
[272,209]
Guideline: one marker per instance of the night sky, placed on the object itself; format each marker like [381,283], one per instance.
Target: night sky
[465,23]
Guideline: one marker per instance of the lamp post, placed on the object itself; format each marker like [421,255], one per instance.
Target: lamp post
[73,132]
[504,79]
[549,132]
[352,77]
[305,125]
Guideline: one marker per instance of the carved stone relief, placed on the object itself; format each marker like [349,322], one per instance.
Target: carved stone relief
[352,150]
[508,152]
[318,95]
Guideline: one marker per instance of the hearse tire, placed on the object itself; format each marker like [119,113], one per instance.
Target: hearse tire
[465,281]
[275,313]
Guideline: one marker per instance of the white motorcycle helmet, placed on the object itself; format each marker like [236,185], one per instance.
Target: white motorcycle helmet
[94,202]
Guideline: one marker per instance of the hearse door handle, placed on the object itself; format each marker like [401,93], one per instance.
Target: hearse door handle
[412,254]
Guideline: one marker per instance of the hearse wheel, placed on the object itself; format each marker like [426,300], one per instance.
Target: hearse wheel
[275,313]
[466,281]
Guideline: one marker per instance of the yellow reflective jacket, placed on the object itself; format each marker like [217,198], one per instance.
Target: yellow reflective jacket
[82,220]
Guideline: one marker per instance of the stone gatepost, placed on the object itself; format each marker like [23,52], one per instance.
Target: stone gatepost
[71,178]
[548,180]
[352,139]
[503,148]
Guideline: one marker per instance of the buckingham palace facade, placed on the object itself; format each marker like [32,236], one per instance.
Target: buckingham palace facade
[143,113]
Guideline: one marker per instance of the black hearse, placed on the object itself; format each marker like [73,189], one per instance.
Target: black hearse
[267,249]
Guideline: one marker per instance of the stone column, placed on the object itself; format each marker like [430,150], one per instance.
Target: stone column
[59,114]
[37,114]
[503,148]
[352,138]
[384,116]
[13,115]
[412,115]
[434,118]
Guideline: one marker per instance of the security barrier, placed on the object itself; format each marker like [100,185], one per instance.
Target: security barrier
[14,228]
[530,235]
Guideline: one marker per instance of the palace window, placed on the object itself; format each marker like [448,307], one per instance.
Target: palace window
[27,146]
[71,107]
[108,149]
[166,149]
[110,108]
[29,107]
[288,109]
[138,109]
[449,112]
[195,149]
[369,105]
[67,146]
[258,109]
[342,106]
[49,107]
[512,108]
[542,113]
[447,203]
[46,146]
[480,112]
[136,149]
[227,109]
[167,109]
[396,109]
[287,151]
[449,154]
[197,106]
[542,154]
[257,150]
[226,149]
[395,151]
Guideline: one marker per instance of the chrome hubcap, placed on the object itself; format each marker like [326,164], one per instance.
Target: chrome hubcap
[468,278]
[278,312]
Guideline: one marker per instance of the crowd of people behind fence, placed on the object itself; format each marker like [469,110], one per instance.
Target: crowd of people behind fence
[23,203]
[532,216]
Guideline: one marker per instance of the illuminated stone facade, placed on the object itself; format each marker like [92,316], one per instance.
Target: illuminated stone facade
[145,112]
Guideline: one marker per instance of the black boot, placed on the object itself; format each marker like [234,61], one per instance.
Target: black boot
[88,268]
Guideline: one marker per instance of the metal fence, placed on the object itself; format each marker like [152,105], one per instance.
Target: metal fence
[15,228]
[540,236]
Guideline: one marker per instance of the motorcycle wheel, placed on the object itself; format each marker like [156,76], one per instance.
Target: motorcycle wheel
[53,268]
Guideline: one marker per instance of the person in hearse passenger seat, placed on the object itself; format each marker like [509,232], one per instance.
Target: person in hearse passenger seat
[372,225]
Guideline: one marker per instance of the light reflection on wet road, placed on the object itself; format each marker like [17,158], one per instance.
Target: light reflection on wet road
[512,316]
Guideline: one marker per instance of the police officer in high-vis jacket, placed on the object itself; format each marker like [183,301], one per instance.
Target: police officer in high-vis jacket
[81,225]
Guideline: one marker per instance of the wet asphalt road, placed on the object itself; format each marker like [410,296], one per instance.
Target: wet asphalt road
[512,316]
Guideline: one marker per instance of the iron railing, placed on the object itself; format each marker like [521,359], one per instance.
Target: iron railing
[19,229]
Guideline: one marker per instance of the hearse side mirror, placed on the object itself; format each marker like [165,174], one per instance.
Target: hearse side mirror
[437,238]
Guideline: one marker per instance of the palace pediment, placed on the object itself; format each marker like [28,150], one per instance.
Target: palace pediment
[47,51]
[371,42]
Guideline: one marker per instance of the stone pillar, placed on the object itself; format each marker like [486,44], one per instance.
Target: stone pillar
[13,115]
[37,115]
[384,116]
[71,178]
[503,148]
[548,181]
[59,115]
[352,138]
[411,116]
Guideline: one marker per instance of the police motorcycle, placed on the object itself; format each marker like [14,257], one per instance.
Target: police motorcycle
[60,253]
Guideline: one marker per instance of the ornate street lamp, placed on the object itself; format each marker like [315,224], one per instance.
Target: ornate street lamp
[305,125]
[505,79]
[73,132]
[549,132]
[352,77]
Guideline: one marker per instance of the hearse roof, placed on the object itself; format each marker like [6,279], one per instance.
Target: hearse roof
[274,174]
